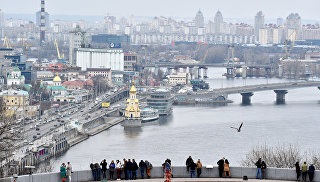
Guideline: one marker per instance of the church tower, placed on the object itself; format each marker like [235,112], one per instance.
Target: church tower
[132,112]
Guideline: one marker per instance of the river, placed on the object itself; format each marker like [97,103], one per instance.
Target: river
[205,133]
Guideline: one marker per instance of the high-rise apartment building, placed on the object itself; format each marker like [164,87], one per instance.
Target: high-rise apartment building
[76,40]
[218,23]
[199,20]
[293,26]
[1,23]
[258,24]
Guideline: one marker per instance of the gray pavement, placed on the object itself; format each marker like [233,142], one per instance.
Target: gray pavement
[202,180]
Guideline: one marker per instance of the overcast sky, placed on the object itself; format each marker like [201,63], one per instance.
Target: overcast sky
[307,9]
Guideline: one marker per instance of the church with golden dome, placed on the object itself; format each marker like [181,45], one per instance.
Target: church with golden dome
[57,91]
[132,112]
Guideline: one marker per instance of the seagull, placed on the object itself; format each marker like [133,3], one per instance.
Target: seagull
[238,129]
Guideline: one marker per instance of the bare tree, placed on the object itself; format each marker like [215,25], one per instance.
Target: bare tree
[283,156]
[9,138]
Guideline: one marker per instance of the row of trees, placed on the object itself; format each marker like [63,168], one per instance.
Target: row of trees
[281,156]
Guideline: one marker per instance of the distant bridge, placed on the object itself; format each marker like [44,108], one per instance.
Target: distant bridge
[220,95]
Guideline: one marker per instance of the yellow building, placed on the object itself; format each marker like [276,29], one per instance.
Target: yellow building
[15,100]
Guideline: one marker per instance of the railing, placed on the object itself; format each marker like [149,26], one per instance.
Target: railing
[177,171]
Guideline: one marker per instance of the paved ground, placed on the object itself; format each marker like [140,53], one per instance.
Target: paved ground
[201,180]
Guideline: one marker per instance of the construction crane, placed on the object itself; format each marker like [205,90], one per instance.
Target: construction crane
[61,58]
[289,42]
[6,43]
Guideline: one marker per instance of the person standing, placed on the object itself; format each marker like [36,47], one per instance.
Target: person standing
[94,172]
[226,168]
[188,162]
[142,166]
[125,169]
[167,171]
[192,168]
[118,169]
[220,166]
[199,168]
[69,171]
[259,172]
[63,172]
[129,169]
[103,165]
[149,167]
[134,169]
[311,172]
[112,168]
[263,169]
[298,171]
[304,170]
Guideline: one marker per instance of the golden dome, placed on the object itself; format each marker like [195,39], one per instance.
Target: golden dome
[57,78]
[133,88]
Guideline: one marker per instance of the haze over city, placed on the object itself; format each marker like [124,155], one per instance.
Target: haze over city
[307,9]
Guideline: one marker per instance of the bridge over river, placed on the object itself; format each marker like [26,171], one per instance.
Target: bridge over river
[220,95]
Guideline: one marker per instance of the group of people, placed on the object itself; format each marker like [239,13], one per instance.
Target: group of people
[261,169]
[304,170]
[193,167]
[65,172]
[224,169]
[129,168]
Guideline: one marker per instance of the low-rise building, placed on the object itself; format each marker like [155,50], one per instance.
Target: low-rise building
[103,72]
[15,77]
[179,78]
[15,100]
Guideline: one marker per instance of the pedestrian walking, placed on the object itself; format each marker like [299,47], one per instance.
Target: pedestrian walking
[199,168]
[259,172]
[263,169]
[112,168]
[304,171]
[311,172]
[221,166]
[142,166]
[118,169]
[103,165]
[69,171]
[63,172]
[298,170]
[226,168]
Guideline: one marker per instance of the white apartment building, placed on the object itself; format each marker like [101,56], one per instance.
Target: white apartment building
[100,58]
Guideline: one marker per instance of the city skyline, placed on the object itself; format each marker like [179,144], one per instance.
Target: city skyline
[271,9]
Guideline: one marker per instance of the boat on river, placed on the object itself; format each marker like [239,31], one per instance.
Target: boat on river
[149,114]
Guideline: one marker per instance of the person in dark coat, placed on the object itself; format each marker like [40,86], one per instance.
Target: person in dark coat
[311,172]
[263,169]
[142,166]
[188,162]
[112,168]
[104,168]
[98,171]
[94,172]
[298,170]
[259,172]
[221,167]
[134,169]
[192,168]
[129,169]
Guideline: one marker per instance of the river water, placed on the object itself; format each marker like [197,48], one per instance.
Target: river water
[204,132]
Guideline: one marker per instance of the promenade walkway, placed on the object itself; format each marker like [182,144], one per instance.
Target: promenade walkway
[202,180]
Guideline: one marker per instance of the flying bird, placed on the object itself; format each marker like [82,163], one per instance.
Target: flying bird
[238,129]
